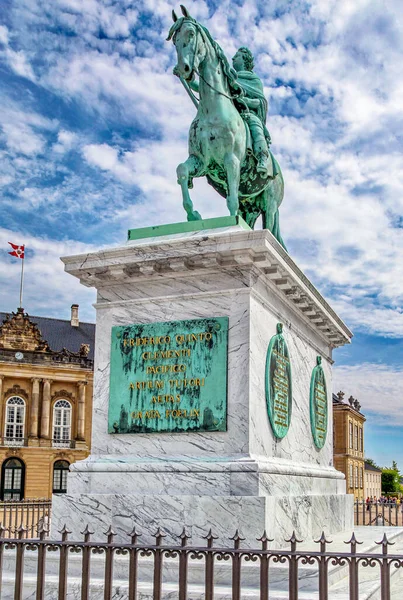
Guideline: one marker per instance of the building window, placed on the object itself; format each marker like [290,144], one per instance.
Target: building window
[350,432]
[361,440]
[356,477]
[361,477]
[351,477]
[12,479]
[15,417]
[60,470]
[356,437]
[62,424]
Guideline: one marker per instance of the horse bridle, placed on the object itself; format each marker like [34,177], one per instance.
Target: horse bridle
[233,98]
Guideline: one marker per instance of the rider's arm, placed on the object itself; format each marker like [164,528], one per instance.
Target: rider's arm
[251,102]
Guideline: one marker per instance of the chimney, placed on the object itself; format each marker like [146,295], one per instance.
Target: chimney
[74,316]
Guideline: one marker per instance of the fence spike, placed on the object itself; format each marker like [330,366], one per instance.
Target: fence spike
[210,535]
[87,533]
[385,543]
[293,539]
[264,538]
[21,530]
[353,542]
[159,536]
[134,535]
[184,537]
[210,538]
[110,533]
[2,530]
[237,539]
[64,530]
[323,540]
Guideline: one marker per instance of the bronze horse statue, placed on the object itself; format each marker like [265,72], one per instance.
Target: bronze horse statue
[218,136]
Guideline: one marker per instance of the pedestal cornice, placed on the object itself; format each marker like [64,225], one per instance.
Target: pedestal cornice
[257,251]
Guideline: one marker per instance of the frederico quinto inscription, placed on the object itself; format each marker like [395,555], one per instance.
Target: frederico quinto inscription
[278,384]
[169,377]
[318,405]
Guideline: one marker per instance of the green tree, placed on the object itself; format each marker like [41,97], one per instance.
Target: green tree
[390,481]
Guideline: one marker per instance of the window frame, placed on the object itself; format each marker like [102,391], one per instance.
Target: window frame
[12,490]
[62,441]
[62,489]
[14,440]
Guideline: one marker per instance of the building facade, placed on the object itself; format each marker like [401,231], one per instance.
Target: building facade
[348,443]
[373,481]
[46,385]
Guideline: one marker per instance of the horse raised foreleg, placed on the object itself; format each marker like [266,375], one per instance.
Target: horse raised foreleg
[192,167]
[232,167]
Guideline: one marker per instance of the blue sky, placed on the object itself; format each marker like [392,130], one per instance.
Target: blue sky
[93,124]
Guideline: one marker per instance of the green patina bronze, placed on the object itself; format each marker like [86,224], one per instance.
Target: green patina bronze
[318,404]
[186,227]
[229,143]
[169,377]
[278,384]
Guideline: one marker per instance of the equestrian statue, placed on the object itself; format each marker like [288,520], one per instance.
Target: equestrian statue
[229,143]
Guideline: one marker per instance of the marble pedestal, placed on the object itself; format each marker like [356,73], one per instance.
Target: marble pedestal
[244,477]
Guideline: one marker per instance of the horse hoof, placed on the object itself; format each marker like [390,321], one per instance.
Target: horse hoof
[194,216]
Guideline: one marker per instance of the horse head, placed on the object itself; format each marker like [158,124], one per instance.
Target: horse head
[186,34]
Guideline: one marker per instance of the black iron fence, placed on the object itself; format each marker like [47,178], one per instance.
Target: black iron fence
[378,513]
[33,513]
[264,559]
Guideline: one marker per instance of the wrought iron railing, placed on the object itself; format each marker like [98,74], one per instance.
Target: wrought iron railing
[33,513]
[63,443]
[185,557]
[378,513]
[13,441]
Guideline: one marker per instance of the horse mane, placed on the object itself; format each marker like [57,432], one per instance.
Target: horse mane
[228,71]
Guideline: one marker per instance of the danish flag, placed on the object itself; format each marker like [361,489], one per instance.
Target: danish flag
[18,251]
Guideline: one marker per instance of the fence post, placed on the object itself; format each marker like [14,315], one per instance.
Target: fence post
[264,567]
[353,568]
[19,563]
[86,565]
[133,562]
[63,564]
[385,568]
[236,567]
[40,573]
[183,566]
[157,589]
[109,565]
[209,572]
[323,570]
[293,570]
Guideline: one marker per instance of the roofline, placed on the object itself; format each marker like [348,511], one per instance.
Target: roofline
[50,318]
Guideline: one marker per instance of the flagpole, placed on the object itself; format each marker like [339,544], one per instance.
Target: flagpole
[22,280]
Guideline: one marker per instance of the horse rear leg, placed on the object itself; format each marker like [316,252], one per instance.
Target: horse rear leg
[232,167]
[192,167]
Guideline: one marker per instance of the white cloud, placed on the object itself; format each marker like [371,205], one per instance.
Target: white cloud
[44,277]
[379,389]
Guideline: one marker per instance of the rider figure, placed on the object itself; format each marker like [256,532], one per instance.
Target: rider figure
[256,109]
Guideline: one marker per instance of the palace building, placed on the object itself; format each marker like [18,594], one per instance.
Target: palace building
[348,443]
[373,481]
[46,384]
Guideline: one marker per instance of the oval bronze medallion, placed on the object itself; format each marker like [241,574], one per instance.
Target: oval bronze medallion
[278,384]
[318,405]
